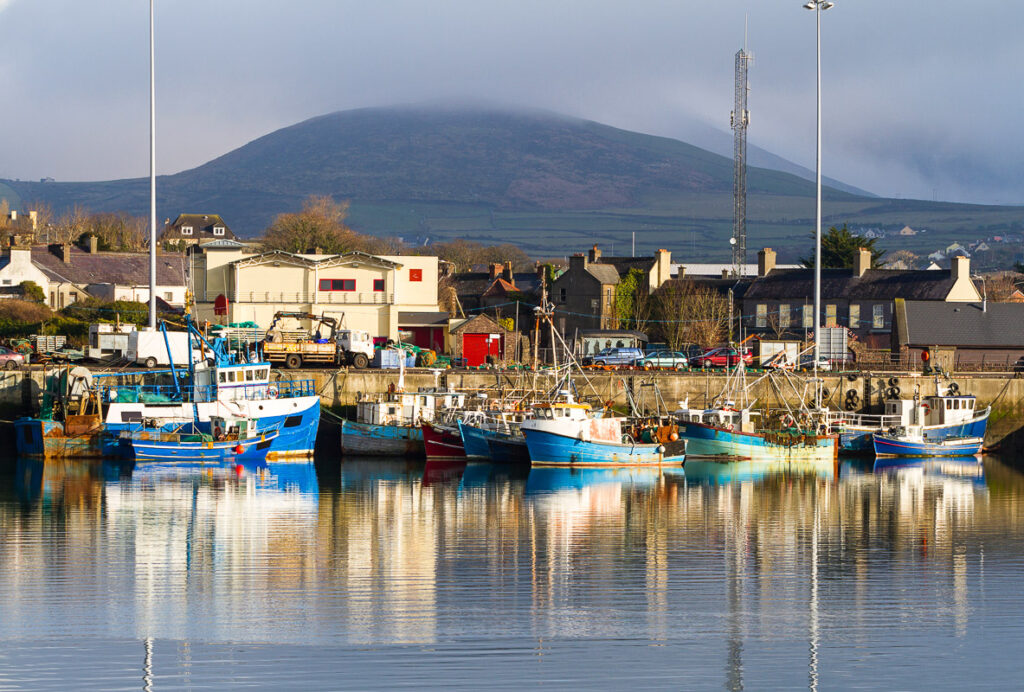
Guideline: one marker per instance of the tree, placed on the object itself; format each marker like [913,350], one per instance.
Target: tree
[839,249]
[320,224]
[32,292]
[690,313]
[633,304]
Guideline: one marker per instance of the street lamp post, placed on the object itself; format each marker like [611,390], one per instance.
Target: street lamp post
[818,6]
[152,172]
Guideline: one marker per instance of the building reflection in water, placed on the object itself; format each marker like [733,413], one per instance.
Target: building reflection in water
[405,552]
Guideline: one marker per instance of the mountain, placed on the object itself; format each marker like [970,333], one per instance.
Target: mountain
[545,181]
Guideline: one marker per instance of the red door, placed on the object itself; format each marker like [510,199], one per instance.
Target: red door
[474,348]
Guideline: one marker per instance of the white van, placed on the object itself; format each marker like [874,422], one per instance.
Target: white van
[147,347]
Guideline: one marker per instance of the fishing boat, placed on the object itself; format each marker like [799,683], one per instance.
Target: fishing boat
[442,442]
[570,434]
[70,424]
[391,424]
[220,386]
[508,447]
[730,429]
[911,442]
[946,414]
[233,439]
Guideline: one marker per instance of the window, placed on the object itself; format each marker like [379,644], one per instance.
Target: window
[378,284]
[830,315]
[186,230]
[594,303]
[878,316]
[7,282]
[248,375]
[561,294]
[762,315]
[808,317]
[218,230]
[415,275]
[784,316]
[223,376]
[854,316]
[168,296]
[337,284]
[608,298]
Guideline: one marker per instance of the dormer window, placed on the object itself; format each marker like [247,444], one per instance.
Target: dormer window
[218,230]
[186,230]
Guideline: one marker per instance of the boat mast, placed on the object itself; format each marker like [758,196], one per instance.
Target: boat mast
[152,174]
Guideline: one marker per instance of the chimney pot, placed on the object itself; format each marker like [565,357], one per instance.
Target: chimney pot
[507,272]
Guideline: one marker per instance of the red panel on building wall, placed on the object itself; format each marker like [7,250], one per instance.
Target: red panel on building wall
[220,305]
[427,337]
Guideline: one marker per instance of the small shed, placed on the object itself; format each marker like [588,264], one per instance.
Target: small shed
[478,338]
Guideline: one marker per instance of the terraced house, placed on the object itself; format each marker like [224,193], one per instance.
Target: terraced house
[781,301]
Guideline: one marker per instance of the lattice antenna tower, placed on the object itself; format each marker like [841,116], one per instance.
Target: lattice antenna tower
[739,119]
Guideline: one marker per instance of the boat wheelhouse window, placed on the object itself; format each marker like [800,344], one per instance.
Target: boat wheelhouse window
[423,401]
[970,403]
[222,376]
[248,375]
[949,405]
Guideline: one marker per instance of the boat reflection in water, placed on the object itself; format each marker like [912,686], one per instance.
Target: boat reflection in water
[722,473]
[967,468]
[546,480]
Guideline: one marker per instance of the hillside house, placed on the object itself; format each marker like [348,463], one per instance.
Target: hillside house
[196,229]
[907,231]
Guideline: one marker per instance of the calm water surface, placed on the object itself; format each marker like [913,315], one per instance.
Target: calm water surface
[395,574]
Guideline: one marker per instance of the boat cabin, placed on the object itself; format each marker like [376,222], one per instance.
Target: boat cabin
[235,382]
[407,408]
[726,418]
[933,410]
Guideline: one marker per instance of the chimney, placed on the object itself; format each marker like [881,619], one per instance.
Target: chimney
[725,273]
[663,262]
[14,216]
[862,262]
[494,271]
[595,254]
[94,245]
[960,268]
[33,218]
[765,261]
[578,261]
[507,272]
[65,253]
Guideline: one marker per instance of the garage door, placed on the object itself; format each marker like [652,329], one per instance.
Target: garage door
[474,348]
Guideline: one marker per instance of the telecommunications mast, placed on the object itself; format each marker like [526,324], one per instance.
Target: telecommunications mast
[740,118]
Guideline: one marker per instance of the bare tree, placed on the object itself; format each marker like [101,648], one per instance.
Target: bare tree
[320,224]
[692,313]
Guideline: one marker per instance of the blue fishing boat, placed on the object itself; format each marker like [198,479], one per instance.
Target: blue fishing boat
[909,442]
[946,414]
[508,448]
[233,439]
[567,434]
[474,440]
[731,433]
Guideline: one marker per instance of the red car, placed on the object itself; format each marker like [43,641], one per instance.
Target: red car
[722,357]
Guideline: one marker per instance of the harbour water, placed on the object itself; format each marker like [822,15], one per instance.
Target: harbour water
[378,574]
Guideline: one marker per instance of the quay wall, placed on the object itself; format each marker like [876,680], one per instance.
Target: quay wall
[20,390]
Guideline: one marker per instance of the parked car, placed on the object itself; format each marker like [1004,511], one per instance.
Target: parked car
[615,356]
[664,359]
[10,359]
[723,357]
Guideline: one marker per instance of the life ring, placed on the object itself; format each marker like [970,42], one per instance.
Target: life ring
[788,421]
[926,408]
[272,392]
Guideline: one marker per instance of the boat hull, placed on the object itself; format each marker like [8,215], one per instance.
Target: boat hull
[441,443]
[47,439]
[295,418]
[508,449]
[142,448]
[474,441]
[552,449]
[361,439]
[708,441]
[895,447]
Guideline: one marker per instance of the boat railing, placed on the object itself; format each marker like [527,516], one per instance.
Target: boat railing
[873,420]
[168,393]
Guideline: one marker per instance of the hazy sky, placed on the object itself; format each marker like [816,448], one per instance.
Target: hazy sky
[915,93]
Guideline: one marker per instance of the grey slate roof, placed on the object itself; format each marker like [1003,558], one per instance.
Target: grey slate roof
[932,323]
[121,268]
[875,284]
[605,273]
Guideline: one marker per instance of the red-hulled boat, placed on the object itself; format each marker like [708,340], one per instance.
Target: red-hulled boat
[442,442]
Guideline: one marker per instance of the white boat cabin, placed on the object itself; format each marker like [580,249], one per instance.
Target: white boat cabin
[932,410]
[728,418]
[407,408]
[576,421]
[236,382]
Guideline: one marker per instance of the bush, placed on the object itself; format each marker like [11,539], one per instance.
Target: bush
[24,311]
[97,310]
[32,292]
